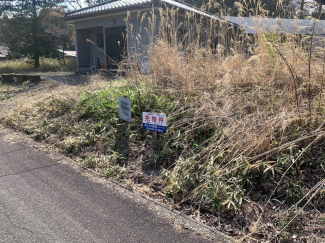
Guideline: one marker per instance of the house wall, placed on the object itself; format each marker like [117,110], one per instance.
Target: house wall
[140,32]
[88,54]
[137,37]
[82,47]
[105,22]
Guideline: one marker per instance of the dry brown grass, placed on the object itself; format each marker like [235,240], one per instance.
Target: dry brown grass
[245,130]
[46,65]
[256,99]
[244,122]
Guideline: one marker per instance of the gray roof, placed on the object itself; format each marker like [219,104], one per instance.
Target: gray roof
[252,25]
[106,6]
[119,4]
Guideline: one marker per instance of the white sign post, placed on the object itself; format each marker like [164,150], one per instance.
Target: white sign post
[124,108]
[154,122]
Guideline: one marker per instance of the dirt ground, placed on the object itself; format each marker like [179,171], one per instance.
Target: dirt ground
[11,96]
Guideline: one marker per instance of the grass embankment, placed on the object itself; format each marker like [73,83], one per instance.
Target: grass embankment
[206,129]
[245,133]
[46,65]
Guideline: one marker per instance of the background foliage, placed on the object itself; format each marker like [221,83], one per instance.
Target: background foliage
[34,29]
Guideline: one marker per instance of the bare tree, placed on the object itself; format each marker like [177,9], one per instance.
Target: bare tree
[75,4]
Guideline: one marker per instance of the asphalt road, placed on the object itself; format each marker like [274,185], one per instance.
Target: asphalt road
[42,200]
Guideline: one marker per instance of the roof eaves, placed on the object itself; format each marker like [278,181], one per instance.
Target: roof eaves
[104,12]
[122,4]
[106,6]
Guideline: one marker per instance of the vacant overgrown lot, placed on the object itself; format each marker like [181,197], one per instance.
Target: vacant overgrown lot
[226,151]
[244,147]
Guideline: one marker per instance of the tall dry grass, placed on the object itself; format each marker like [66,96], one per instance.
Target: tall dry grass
[248,118]
[245,118]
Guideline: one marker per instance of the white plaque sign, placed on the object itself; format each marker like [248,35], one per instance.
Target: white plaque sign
[124,108]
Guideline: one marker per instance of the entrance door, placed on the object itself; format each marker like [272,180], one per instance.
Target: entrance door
[115,46]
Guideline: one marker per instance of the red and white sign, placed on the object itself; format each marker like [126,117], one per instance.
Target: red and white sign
[154,122]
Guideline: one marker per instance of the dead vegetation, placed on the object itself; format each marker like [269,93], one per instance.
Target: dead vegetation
[244,148]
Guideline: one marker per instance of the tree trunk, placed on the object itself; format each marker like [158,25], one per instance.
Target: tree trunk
[35,35]
[36,60]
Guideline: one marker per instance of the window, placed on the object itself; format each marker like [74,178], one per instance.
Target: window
[100,40]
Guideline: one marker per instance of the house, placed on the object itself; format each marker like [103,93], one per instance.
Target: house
[108,31]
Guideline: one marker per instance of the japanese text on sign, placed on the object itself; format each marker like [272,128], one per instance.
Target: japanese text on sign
[154,122]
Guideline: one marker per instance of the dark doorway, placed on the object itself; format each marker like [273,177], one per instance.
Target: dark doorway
[115,46]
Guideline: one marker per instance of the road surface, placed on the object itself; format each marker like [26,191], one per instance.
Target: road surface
[42,200]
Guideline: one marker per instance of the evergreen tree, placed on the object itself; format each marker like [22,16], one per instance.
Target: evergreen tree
[55,25]
[23,30]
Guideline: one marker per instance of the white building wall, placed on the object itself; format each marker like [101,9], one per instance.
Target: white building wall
[140,32]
